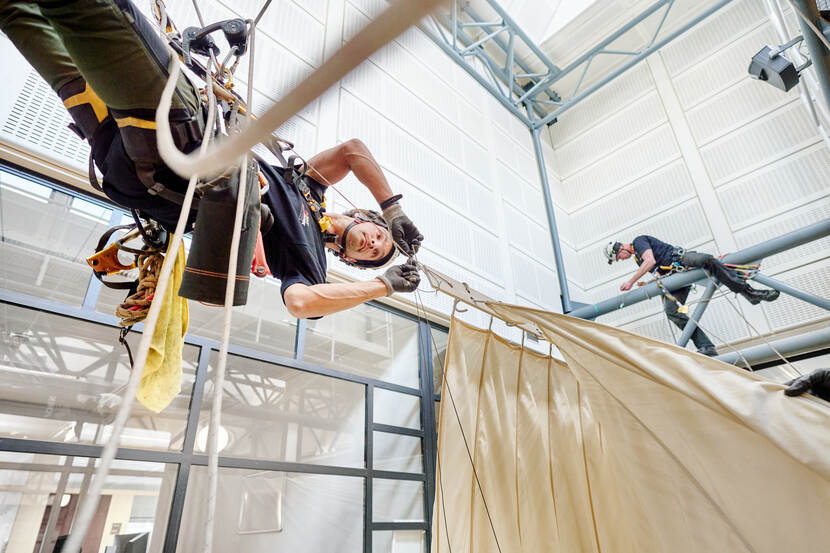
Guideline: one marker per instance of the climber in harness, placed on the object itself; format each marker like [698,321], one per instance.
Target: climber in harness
[108,65]
[655,256]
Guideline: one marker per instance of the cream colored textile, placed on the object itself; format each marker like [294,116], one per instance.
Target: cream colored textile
[633,446]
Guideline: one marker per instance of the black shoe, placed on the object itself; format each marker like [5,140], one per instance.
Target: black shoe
[751,296]
[769,295]
[755,296]
[708,352]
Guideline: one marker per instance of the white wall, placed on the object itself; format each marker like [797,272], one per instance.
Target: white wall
[685,146]
[465,166]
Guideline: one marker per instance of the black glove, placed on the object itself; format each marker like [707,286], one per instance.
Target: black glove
[404,232]
[401,278]
[817,382]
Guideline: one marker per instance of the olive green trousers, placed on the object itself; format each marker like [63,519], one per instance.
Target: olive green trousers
[107,42]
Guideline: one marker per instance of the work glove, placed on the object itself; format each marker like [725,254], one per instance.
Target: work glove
[817,382]
[401,278]
[404,232]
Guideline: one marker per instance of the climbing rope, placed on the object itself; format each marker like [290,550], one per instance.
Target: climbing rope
[708,331]
[219,377]
[136,306]
[421,313]
[88,507]
[760,335]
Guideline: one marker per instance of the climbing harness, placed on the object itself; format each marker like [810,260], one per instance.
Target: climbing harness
[87,509]
[107,258]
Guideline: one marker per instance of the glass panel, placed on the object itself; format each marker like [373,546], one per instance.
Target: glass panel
[368,341]
[397,500]
[264,511]
[61,379]
[45,238]
[263,324]
[282,414]
[396,452]
[399,541]
[30,482]
[441,339]
[397,409]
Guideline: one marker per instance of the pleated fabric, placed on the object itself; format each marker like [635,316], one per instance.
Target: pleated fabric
[632,445]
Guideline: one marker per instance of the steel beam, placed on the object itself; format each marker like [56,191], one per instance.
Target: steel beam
[690,327]
[643,54]
[554,232]
[753,253]
[819,54]
[818,301]
[497,72]
[490,87]
[794,345]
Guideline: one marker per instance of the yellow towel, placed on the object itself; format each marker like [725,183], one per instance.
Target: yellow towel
[162,377]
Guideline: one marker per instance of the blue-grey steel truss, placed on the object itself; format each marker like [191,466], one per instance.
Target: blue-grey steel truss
[530,95]
[491,59]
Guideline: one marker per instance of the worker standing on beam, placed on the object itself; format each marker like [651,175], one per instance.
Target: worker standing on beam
[655,256]
[108,65]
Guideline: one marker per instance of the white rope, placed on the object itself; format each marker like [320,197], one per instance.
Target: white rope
[702,329]
[90,504]
[219,377]
[388,25]
[761,336]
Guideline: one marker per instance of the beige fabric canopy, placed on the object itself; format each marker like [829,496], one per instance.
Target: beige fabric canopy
[633,446]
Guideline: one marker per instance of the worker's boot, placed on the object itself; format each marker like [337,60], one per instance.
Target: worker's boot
[709,351]
[755,296]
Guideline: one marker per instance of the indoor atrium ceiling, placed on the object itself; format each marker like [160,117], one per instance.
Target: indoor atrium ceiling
[564,30]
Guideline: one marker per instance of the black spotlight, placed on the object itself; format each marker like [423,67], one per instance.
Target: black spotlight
[772,66]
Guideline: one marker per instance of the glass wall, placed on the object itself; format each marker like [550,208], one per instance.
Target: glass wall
[41,493]
[327,439]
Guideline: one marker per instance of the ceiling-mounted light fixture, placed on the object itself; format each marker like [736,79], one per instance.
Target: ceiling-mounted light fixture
[772,66]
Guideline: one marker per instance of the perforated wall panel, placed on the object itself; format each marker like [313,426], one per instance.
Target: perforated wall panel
[787,311]
[728,23]
[644,198]
[602,104]
[722,68]
[295,28]
[773,137]
[788,183]
[37,118]
[631,121]
[814,212]
[734,107]
[633,160]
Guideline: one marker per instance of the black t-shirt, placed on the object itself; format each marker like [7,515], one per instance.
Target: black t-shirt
[294,246]
[662,251]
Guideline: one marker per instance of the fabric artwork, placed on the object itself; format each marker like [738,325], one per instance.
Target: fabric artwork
[632,445]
